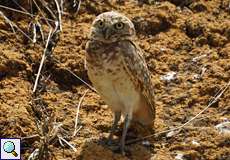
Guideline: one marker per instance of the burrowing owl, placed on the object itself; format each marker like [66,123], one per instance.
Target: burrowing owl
[119,72]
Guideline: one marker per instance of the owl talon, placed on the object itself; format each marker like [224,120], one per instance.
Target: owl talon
[123,152]
[109,143]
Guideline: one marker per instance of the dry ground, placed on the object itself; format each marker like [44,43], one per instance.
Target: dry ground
[189,38]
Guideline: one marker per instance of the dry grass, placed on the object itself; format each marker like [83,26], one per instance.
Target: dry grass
[48,130]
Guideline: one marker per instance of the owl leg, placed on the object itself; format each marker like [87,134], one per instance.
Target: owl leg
[117,117]
[127,121]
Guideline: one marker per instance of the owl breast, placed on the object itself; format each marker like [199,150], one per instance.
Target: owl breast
[108,75]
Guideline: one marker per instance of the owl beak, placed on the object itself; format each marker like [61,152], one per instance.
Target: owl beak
[106,33]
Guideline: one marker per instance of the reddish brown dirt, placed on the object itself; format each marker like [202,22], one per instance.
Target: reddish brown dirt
[172,33]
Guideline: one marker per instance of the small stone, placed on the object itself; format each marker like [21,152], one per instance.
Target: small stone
[179,156]
[170,76]
[224,127]
[195,143]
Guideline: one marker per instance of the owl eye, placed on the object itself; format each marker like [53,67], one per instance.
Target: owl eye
[119,25]
[100,24]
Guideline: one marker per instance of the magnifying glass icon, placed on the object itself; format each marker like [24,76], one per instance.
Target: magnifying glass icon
[9,147]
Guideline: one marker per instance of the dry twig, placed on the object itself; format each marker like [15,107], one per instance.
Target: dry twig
[59,15]
[76,76]
[77,113]
[26,13]
[47,128]
[70,145]
[12,25]
[42,61]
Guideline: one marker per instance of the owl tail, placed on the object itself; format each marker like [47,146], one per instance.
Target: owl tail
[144,113]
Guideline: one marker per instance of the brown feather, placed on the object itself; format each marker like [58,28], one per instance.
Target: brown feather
[144,113]
[136,67]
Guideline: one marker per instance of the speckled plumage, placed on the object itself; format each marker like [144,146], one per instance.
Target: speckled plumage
[117,68]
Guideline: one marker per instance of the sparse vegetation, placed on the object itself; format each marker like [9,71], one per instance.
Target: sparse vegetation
[44,96]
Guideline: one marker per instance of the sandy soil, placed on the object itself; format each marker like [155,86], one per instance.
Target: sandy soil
[188,38]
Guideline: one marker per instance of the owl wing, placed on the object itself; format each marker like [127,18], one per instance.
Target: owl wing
[137,69]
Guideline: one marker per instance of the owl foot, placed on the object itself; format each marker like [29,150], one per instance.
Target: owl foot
[123,151]
[110,141]
[117,117]
[124,133]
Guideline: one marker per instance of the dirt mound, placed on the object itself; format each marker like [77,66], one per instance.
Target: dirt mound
[187,45]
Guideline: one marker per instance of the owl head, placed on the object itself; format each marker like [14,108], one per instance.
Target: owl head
[111,27]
